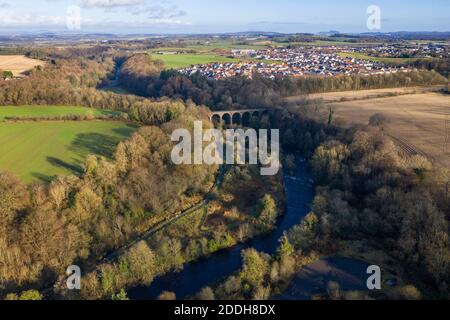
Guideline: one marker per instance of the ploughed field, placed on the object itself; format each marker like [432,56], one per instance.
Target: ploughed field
[341,96]
[18,64]
[39,150]
[418,123]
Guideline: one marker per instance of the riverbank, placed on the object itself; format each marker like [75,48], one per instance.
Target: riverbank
[228,217]
[216,267]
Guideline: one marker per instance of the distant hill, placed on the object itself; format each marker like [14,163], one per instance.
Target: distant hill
[410,35]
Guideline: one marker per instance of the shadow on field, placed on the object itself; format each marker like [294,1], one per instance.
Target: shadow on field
[94,143]
[75,169]
[125,132]
[100,144]
[72,168]
[42,177]
[85,144]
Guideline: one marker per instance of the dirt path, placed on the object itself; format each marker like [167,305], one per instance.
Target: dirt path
[111,256]
[164,224]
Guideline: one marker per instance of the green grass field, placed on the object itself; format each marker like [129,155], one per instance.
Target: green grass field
[209,46]
[362,56]
[318,43]
[177,61]
[41,150]
[50,111]
[225,45]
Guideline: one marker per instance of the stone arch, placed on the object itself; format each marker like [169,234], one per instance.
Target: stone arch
[246,117]
[216,120]
[237,118]
[226,119]
[255,119]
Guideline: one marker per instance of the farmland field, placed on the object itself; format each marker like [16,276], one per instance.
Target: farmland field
[183,60]
[50,111]
[177,61]
[417,122]
[18,64]
[321,43]
[339,96]
[228,46]
[208,47]
[386,60]
[41,150]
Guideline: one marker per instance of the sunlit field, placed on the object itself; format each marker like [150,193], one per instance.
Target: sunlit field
[41,150]
[51,111]
[18,64]
[178,61]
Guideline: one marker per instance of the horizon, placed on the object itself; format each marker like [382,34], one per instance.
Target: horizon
[243,32]
[171,17]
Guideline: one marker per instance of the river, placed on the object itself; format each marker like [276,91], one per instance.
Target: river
[216,267]
[113,85]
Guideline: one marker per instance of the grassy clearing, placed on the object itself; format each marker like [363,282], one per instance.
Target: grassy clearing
[51,111]
[188,225]
[41,150]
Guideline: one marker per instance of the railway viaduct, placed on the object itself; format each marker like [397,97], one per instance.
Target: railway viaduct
[237,117]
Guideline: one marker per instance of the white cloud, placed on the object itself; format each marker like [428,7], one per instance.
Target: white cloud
[164,10]
[21,19]
[147,14]
[111,3]
[152,10]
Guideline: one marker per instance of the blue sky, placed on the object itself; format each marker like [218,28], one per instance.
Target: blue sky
[211,16]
